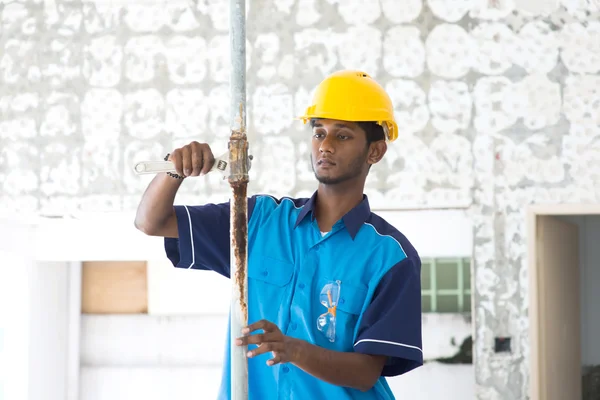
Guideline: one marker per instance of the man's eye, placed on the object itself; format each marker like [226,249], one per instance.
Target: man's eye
[343,137]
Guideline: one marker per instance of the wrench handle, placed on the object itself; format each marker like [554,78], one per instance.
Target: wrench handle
[155,167]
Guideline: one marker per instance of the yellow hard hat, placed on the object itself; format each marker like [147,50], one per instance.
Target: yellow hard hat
[351,95]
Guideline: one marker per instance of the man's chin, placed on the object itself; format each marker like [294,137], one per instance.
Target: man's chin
[329,180]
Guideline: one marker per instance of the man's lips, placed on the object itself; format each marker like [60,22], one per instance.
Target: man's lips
[325,162]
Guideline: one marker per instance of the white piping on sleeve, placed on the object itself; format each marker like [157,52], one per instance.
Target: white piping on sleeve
[388,342]
[191,238]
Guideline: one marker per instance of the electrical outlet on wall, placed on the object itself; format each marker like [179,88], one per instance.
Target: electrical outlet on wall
[502,345]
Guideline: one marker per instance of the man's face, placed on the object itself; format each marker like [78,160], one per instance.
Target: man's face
[339,151]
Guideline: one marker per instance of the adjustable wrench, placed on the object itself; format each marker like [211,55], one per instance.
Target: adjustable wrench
[154,167]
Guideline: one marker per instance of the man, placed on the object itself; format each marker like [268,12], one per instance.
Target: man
[334,291]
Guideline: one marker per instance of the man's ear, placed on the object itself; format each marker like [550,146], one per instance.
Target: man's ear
[376,151]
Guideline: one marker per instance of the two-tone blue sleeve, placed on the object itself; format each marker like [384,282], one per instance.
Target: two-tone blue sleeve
[391,324]
[204,239]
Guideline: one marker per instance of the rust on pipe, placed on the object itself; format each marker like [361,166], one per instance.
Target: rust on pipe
[240,245]
[238,180]
[239,164]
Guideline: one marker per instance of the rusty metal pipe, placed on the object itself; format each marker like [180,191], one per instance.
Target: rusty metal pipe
[238,180]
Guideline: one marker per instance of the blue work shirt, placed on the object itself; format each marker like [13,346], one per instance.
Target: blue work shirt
[289,263]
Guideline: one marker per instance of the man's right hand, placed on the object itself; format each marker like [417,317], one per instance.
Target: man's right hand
[193,159]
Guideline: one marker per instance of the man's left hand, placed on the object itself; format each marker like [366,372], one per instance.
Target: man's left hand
[284,348]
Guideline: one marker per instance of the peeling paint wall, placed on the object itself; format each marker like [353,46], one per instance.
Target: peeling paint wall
[499,107]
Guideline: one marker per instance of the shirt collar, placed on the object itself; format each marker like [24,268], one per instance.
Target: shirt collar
[353,220]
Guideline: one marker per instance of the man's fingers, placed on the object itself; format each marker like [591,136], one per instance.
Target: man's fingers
[263,324]
[176,159]
[260,338]
[193,159]
[197,159]
[275,360]
[271,340]
[265,348]
[209,160]
[186,156]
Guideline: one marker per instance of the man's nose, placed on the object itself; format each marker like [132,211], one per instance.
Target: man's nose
[327,145]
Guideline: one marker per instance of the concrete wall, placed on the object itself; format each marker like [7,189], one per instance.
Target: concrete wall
[497,101]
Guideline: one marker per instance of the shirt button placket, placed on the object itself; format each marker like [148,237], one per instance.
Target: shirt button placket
[284,383]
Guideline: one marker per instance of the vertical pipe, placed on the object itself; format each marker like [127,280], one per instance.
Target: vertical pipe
[237,43]
[238,180]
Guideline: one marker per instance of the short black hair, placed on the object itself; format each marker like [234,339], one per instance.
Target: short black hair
[373,130]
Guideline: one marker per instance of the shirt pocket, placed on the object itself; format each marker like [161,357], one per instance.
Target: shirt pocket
[352,298]
[351,302]
[268,289]
[272,271]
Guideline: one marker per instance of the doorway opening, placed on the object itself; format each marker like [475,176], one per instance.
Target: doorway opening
[564,277]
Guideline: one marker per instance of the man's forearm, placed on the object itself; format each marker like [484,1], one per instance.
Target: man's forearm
[355,370]
[156,206]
